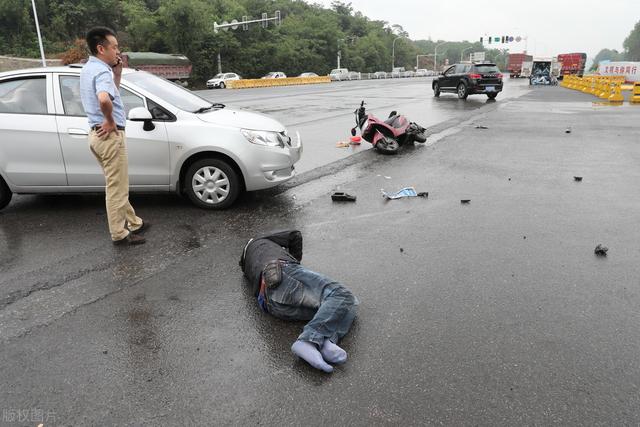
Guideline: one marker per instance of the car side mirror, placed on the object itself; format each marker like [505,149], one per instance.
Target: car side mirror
[141,114]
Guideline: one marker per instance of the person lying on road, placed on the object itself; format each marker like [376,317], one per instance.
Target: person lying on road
[289,291]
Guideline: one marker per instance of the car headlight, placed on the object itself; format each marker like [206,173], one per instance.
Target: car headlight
[262,137]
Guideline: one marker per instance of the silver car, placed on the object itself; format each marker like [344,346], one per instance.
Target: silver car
[177,141]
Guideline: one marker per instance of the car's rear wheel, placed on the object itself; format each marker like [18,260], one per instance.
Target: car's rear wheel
[5,194]
[492,95]
[462,91]
[222,85]
[436,89]
[212,184]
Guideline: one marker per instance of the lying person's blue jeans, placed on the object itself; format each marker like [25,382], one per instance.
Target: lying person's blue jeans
[304,294]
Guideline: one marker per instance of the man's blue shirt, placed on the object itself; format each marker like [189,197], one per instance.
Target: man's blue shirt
[96,76]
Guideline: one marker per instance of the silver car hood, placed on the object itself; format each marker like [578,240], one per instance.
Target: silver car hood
[241,119]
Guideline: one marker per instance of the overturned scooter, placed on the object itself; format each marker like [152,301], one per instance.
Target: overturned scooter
[387,136]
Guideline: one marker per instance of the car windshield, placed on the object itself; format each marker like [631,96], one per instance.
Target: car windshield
[270,74]
[218,76]
[170,92]
[487,69]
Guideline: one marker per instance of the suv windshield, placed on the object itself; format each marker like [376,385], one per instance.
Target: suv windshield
[487,68]
[175,95]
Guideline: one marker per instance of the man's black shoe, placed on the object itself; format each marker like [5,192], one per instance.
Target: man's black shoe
[131,239]
[144,227]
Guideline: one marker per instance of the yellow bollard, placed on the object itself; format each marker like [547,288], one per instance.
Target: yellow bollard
[616,95]
[587,85]
[635,97]
[605,90]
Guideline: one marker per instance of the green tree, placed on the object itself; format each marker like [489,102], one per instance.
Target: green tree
[632,44]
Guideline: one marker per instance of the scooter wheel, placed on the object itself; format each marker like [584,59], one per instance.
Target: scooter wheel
[387,145]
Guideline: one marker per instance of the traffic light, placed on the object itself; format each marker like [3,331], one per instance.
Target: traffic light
[489,40]
[480,40]
[502,39]
[506,39]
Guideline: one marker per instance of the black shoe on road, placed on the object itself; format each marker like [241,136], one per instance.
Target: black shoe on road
[144,227]
[131,239]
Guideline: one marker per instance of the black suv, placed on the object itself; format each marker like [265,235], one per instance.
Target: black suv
[469,79]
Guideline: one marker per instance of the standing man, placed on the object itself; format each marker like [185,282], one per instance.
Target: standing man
[288,290]
[99,90]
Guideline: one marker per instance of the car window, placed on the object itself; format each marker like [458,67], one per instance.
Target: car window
[450,70]
[229,76]
[24,96]
[130,100]
[459,69]
[159,113]
[487,69]
[70,91]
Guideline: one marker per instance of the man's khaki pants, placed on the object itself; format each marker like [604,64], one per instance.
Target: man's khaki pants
[111,153]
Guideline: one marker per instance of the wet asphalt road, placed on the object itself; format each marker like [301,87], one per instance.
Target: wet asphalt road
[323,114]
[492,313]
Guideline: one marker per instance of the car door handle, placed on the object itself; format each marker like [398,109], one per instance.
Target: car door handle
[79,132]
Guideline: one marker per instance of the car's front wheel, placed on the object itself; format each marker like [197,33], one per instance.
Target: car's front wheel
[436,89]
[222,85]
[212,184]
[5,194]
[462,91]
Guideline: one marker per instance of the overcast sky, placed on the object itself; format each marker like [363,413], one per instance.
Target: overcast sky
[552,26]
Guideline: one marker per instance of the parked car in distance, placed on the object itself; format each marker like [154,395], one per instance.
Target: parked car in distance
[469,79]
[275,75]
[220,80]
[176,141]
[379,75]
[354,75]
[397,72]
[422,72]
[409,73]
[308,75]
[339,74]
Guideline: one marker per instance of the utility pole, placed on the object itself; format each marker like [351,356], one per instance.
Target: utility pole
[35,15]
[393,52]
[219,63]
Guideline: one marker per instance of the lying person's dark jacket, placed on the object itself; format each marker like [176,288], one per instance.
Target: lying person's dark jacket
[280,245]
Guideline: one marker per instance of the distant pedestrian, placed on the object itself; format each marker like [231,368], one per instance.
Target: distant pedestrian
[288,290]
[99,90]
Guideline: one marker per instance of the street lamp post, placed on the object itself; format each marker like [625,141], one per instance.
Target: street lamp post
[393,52]
[35,15]
[435,56]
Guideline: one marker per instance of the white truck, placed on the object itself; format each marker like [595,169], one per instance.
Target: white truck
[546,66]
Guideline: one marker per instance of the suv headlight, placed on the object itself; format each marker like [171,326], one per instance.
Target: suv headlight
[262,137]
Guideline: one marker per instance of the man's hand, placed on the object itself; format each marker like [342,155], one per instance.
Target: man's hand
[106,128]
[117,71]
[117,67]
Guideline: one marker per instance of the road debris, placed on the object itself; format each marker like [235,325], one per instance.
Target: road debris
[405,192]
[568,130]
[355,140]
[577,178]
[481,127]
[465,201]
[342,144]
[600,250]
[339,196]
